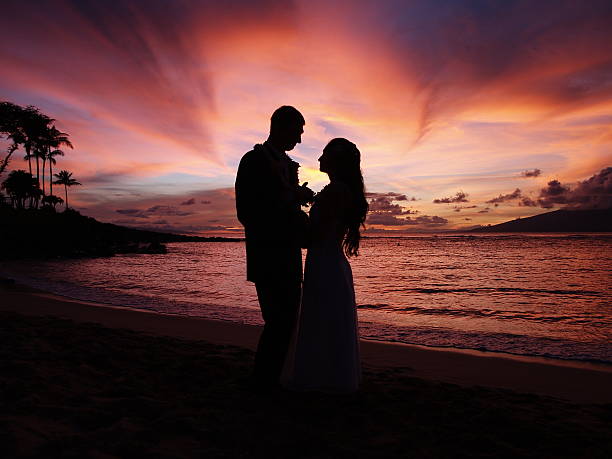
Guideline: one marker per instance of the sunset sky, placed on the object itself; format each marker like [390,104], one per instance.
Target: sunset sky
[452,103]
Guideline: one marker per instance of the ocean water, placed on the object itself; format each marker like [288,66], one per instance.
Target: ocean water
[543,295]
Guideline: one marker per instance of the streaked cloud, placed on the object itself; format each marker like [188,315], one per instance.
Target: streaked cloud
[162,101]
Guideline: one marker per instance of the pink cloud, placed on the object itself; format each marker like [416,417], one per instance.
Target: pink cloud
[437,98]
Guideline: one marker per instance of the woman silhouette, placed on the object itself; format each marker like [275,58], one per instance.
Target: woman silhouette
[325,350]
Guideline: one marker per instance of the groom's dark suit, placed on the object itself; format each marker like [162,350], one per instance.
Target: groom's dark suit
[267,205]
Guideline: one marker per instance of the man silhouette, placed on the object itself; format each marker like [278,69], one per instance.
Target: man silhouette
[268,200]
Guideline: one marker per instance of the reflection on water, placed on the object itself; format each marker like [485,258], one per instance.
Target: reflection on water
[543,295]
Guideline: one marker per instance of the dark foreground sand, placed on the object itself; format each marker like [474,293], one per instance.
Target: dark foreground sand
[81,380]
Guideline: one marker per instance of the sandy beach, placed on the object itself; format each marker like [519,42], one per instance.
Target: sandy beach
[93,380]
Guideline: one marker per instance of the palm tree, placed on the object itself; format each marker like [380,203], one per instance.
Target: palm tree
[33,124]
[23,126]
[54,139]
[52,200]
[36,193]
[44,160]
[10,115]
[51,158]
[5,161]
[41,155]
[20,185]
[65,178]
[28,157]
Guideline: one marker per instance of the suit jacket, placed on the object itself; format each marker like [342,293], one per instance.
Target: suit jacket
[267,207]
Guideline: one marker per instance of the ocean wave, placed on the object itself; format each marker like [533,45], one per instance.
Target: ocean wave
[597,352]
[598,321]
[543,286]
[518,290]
[428,336]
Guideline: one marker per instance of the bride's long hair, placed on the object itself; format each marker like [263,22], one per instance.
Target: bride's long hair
[348,171]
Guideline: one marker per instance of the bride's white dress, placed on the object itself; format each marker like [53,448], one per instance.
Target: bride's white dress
[325,350]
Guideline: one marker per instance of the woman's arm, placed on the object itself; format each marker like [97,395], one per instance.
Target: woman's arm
[331,208]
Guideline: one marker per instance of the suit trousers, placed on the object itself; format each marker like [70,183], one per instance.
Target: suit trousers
[279,301]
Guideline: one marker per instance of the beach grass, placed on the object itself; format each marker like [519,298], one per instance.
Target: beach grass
[83,390]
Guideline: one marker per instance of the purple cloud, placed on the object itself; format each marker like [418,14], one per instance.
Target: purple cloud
[531,173]
[460,208]
[189,202]
[593,193]
[390,196]
[505,197]
[459,197]
[137,213]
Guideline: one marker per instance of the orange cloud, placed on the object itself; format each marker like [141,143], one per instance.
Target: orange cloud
[439,97]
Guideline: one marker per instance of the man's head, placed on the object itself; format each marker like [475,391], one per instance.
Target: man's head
[286,127]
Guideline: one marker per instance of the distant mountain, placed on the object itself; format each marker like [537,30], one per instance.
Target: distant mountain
[559,221]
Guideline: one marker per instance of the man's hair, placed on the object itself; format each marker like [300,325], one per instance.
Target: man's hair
[286,116]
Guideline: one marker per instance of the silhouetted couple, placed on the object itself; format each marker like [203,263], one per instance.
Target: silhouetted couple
[310,339]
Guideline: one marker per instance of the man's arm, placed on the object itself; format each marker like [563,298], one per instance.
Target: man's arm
[264,200]
[245,190]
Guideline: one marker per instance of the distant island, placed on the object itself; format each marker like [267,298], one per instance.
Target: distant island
[558,221]
[45,233]
[30,224]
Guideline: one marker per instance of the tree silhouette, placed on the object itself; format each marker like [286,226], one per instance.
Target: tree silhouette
[10,115]
[32,126]
[36,193]
[54,139]
[41,155]
[51,158]
[23,126]
[5,161]
[51,200]
[28,157]
[20,186]
[41,140]
[65,178]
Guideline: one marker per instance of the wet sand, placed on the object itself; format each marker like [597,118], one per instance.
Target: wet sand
[88,380]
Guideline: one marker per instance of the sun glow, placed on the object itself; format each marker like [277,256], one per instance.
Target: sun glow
[161,105]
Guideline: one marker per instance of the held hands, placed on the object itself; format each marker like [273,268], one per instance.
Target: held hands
[305,195]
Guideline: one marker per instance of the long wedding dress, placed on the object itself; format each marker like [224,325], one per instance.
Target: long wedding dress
[324,355]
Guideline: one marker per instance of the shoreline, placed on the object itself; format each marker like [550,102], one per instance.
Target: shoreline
[594,364]
[571,363]
[576,381]
[79,389]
